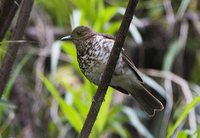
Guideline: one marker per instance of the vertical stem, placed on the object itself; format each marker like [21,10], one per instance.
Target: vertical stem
[8,9]
[12,49]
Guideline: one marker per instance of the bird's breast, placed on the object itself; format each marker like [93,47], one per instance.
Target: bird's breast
[93,59]
[92,63]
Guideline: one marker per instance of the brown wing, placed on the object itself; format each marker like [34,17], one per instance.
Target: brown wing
[119,89]
[107,36]
[126,59]
[131,65]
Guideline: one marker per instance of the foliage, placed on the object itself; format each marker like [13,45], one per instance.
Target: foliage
[5,106]
[83,13]
[182,117]
[67,95]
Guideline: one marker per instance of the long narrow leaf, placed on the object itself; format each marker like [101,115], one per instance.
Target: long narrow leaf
[119,129]
[13,77]
[70,113]
[170,56]
[183,115]
[183,7]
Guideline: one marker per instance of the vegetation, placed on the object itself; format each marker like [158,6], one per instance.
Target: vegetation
[48,96]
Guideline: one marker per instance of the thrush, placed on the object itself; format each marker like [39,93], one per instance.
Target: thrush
[93,50]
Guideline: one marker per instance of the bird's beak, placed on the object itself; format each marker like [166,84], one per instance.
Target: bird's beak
[66,38]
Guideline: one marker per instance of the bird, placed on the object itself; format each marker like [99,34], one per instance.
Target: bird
[93,50]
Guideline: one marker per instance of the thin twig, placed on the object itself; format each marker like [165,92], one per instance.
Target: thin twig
[110,67]
[11,53]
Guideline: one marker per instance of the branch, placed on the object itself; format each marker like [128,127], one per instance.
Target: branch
[12,49]
[110,67]
[8,9]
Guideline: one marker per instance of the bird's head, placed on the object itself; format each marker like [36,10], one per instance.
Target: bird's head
[79,33]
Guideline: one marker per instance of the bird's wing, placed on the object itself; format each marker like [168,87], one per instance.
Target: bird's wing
[119,89]
[131,65]
[126,59]
[108,36]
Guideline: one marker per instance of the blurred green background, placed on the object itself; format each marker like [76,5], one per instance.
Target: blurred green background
[47,96]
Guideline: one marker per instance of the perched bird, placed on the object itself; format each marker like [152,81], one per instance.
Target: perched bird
[93,50]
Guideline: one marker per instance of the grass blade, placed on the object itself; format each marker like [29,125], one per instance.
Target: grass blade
[13,77]
[183,115]
[69,112]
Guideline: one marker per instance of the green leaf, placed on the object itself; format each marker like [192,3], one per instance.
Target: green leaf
[183,7]
[52,129]
[69,112]
[171,54]
[198,132]
[112,27]
[7,104]
[110,12]
[183,115]
[90,89]
[13,77]
[115,110]
[182,134]
[3,49]
[77,100]
[57,9]
[70,49]
[119,129]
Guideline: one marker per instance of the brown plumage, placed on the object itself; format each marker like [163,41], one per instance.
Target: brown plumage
[93,50]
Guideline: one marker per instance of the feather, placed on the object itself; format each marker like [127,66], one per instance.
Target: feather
[131,65]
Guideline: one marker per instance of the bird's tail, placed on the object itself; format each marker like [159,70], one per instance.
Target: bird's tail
[147,101]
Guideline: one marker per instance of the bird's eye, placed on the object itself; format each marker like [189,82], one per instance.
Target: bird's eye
[78,33]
